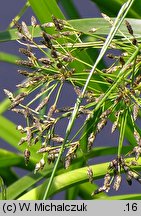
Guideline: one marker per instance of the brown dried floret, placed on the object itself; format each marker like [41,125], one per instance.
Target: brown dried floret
[22,140]
[26,156]
[91,139]
[45,61]
[135,111]
[9,94]
[117,182]
[40,165]
[33,21]
[25,63]
[101,124]
[58,23]
[129,27]
[25,30]
[90,174]
[71,154]
[47,40]
[42,104]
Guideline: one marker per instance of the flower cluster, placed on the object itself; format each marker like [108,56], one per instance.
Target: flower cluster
[59,61]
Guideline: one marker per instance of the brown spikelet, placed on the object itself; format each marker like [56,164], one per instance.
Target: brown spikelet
[101,124]
[129,27]
[25,30]
[45,61]
[29,135]
[51,111]
[9,94]
[107,179]
[135,111]
[90,174]
[107,18]
[117,182]
[54,53]
[39,166]
[25,63]
[23,140]
[114,126]
[134,41]
[91,139]
[33,21]
[57,139]
[27,53]
[42,104]
[48,25]
[58,23]
[26,156]
[137,136]
[47,39]
[78,91]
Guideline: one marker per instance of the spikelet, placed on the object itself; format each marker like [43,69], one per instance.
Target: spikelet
[9,94]
[90,174]
[26,156]
[42,104]
[58,23]
[91,139]
[101,124]
[137,136]
[114,126]
[129,27]
[51,111]
[33,21]
[47,40]
[117,182]
[39,166]
[26,31]
[135,111]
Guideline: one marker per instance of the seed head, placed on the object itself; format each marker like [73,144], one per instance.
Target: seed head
[33,21]
[129,27]
[117,182]
[90,174]
[26,156]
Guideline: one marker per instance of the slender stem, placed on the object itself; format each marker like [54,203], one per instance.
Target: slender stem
[122,132]
[3,189]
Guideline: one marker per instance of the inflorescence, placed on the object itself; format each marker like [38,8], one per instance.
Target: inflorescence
[59,65]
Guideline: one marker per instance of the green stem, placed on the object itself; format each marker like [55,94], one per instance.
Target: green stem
[122,132]
[3,190]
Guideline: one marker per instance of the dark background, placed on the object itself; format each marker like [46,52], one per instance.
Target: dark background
[9,78]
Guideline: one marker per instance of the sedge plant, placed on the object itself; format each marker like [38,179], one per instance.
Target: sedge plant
[63,56]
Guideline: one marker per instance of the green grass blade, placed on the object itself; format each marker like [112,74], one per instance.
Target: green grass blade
[2,188]
[9,159]
[19,15]
[71,193]
[17,188]
[122,132]
[86,189]
[10,58]
[13,136]
[70,9]
[125,197]
[31,179]
[112,9]
[84,25]
[44,9]
[9,134]
[66,180]
[5,173]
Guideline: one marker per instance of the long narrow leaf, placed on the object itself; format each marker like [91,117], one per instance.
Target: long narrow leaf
[85,25]
[66,180]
